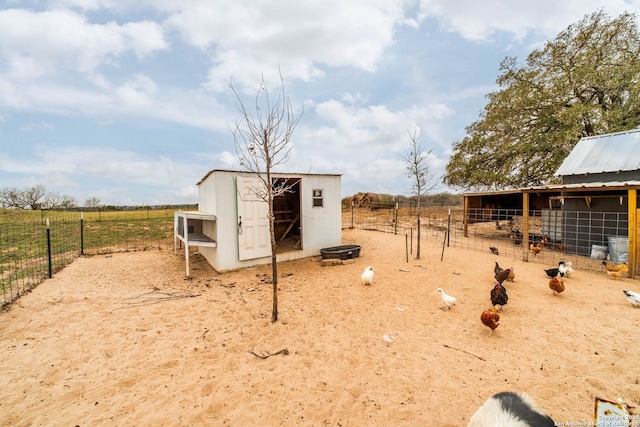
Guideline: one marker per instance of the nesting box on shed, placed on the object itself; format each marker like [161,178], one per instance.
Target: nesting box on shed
[231,226]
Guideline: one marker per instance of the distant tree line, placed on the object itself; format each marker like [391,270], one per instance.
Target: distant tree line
[375,200]
[37,197]
[431,200]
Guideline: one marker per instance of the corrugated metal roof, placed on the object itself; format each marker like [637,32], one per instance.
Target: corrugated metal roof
[273,174]
[609,185]
[550,188]
[613,152]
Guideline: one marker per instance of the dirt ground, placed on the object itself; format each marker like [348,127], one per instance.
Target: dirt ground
[126,339]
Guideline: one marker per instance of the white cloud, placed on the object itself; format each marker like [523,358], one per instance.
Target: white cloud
[376,126]
[365,144]
[136,93]
[62,39]
[96,162]
[480,20]
[225,160]
[251,38]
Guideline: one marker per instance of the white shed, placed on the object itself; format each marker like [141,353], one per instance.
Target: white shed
[231,226]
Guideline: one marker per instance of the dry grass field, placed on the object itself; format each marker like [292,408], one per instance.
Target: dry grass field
[126,339]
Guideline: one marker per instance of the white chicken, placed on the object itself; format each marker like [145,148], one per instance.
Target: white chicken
[633,297]
[565,268]
[367,276]
[448,300]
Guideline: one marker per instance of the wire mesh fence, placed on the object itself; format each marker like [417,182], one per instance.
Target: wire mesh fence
[34,248]
[585,239]
[42,243]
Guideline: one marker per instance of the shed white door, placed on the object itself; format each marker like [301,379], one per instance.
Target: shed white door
[253,213]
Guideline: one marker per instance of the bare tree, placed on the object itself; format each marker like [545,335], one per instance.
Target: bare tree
[35,196]
[12,198]
[31,198]
[93,202]
[262,141]
[57,201]
[418,171]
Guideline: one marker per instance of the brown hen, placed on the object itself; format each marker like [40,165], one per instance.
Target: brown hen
[491,318]
[556,284]
[616,270]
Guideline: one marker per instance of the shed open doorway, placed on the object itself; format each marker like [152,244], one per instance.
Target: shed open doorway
[286,208]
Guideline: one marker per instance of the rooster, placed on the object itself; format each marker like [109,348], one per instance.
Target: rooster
[491,318]
[499,295]
[556,284]
[501,274]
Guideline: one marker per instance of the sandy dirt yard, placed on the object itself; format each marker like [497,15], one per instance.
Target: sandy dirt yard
[126,339]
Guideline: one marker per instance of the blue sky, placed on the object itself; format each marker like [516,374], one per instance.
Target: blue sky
[128,101]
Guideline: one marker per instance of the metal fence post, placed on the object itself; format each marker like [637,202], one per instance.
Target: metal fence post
[395,221]
[81,233]
[49,246]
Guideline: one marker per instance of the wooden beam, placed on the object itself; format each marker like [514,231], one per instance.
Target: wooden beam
[525,226]
[632,207]
[465,218]
[186,244]
[293,222]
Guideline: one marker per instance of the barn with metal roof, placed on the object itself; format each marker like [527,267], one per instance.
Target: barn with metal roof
[613,157]
[594,206]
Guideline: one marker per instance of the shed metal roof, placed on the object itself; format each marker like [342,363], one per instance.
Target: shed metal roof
[559,188]
[273,174]
[613,152]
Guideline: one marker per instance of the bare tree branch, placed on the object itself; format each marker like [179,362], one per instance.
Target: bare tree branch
[262,141]
[418,171]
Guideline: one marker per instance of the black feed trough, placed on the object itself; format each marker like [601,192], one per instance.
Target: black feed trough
[341,252]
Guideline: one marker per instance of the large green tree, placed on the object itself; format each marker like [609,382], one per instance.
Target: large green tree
[585,82]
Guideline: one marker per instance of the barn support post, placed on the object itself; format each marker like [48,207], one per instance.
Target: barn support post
[448,226]
[632,207]
[525,226]
[465,217]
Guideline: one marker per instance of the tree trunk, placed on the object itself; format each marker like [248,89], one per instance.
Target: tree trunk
[418,244]
[274,274]
[272,232]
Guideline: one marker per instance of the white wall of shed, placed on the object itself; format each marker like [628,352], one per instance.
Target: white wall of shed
[321,226]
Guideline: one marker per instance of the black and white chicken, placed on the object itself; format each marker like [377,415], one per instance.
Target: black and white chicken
[553,272]
[633,298]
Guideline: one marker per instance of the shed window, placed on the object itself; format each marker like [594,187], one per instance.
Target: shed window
[317,199]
